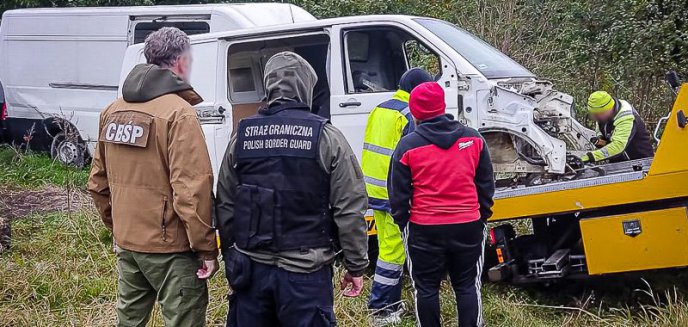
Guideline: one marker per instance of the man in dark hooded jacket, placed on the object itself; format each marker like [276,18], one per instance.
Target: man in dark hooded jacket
[290,194]
[440,190]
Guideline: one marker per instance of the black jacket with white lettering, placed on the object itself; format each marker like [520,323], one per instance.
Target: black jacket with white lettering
[313,192]
[284,190]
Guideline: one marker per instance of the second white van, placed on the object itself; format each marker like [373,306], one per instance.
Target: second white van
[59,67]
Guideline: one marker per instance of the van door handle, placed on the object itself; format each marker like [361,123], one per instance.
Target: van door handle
[350,104]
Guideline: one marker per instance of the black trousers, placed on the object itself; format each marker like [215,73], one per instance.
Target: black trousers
[437,250]
[277,297]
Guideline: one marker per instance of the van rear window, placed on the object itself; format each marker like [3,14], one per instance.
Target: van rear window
[141,30]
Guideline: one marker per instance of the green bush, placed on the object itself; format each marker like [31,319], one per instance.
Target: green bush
[622,46]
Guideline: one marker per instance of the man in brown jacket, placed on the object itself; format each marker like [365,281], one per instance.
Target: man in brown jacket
[151,181]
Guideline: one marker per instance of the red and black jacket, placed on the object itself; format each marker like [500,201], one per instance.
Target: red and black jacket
[441,174]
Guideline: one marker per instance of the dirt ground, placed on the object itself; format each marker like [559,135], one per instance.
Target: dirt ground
[17,203]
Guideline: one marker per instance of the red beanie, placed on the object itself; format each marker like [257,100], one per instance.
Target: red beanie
[427,101]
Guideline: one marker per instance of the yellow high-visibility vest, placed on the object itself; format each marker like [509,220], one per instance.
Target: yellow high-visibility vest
[387,123]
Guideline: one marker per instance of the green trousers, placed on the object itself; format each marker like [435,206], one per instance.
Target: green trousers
[170,279]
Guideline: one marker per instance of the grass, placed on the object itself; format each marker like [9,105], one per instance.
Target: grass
[17,169]
[60,272]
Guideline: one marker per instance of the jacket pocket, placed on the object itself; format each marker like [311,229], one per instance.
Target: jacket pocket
[237,269]
[163,219]
[254,217]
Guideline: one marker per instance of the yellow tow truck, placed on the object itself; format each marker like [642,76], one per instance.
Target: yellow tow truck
[621,217]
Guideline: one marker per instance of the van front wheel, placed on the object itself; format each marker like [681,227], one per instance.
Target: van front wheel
[68,150]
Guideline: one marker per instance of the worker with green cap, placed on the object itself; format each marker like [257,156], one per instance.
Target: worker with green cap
[621,133]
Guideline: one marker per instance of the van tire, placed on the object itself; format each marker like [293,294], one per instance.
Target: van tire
[68,150]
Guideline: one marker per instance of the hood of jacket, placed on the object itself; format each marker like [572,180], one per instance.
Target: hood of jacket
[442,131]
[146,82]
[289,78]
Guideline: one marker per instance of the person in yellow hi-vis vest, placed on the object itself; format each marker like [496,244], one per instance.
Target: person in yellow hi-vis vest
[621,133]
[387,124]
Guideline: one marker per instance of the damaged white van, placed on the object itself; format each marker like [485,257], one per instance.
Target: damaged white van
[59,67]
[359,60]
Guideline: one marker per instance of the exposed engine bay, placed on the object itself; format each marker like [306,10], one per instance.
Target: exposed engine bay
[532,132]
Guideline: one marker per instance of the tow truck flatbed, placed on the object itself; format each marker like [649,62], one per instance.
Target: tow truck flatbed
[593,176]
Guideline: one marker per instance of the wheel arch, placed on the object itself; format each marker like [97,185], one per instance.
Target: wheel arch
[496,142]
[56,126]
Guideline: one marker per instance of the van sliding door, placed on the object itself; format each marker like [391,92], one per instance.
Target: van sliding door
[246,64]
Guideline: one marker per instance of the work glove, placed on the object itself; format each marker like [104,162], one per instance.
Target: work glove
[598,142]
[587,158]
[575,162]
[352,286]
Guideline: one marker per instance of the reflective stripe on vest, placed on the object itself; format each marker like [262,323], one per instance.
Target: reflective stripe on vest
[384,129]
[378,149]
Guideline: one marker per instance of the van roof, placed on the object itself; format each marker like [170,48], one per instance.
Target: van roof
[303,26]
[253,13]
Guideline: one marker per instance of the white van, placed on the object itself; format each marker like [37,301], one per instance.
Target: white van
[359,61]
[60,67]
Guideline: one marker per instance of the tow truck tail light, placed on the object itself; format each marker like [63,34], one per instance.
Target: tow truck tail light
[493,239]
[500,255]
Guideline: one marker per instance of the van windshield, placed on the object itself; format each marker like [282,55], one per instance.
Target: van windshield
[488,60]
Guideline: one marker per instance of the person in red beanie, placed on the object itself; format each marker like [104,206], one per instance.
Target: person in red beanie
[441,188]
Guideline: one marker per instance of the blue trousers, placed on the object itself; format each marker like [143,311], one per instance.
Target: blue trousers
[277,297]
[435,251]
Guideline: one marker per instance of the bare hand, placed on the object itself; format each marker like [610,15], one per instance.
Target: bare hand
[352,286]
[208,269]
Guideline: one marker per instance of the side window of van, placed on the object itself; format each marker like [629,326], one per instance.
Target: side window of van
[142,29]
[418,55]
[376,58]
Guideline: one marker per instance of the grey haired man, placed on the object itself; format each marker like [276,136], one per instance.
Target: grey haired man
[152,182]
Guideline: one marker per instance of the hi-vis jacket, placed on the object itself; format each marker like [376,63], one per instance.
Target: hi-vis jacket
[151,178]
[626,136]
[387,124]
